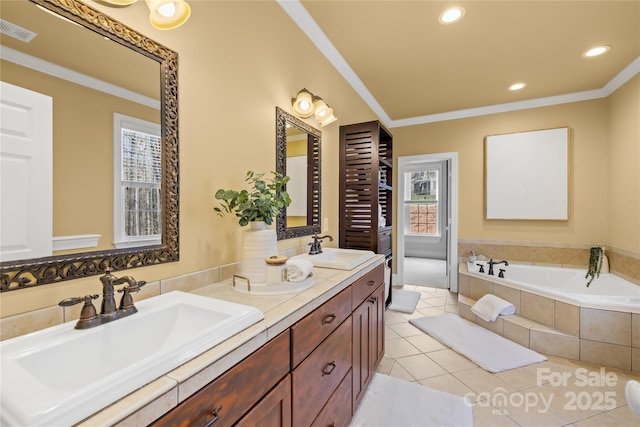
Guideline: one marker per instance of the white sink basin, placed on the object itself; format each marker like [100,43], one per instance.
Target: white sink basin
[339,259]
[61,375]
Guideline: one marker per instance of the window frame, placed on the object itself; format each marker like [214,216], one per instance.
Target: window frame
[407,202]
[120,239]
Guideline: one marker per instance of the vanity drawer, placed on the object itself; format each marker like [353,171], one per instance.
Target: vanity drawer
[337,411]
[364,286]
[314,328]
[237,390]
[315,380]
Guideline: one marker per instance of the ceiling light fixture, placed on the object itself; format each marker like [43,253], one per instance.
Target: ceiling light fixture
[306,104]
[451,15]
[517,86]
[596,51]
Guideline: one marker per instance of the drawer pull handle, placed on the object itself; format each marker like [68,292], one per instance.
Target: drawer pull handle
[371,282]
[328,319]
[373,300]
[328,369]
[216,415]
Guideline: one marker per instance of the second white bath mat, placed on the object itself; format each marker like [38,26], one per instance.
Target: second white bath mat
[488,350]
[404,301]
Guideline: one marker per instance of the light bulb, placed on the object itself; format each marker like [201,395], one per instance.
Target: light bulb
[167,10]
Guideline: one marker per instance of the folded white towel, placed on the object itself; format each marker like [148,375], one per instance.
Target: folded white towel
[489,307]
[298,269]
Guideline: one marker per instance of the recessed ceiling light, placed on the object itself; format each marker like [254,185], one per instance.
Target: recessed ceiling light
[451,15]
[598,50]
[517,86]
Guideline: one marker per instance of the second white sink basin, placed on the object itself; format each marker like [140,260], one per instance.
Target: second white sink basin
[339,259]
[61,375]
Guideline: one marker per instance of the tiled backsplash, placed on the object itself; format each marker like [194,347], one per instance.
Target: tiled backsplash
[25,323]
[622,262]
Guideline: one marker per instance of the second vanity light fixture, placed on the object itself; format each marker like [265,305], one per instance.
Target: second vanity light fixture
[306,104]
[164,14]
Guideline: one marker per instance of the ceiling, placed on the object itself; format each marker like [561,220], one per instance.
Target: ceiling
[411,69]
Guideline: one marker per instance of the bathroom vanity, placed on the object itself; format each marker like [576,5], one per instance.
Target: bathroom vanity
[307,363]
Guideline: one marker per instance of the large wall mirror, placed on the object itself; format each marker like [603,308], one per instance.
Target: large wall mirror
[298,154]
[96,71]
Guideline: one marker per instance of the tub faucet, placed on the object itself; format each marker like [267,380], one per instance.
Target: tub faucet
[108,311]
[316,247]
[492,263]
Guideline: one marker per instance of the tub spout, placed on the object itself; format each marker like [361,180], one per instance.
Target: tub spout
[492,263]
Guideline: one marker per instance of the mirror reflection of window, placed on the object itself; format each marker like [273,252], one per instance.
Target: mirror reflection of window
[138,175]
[297,157]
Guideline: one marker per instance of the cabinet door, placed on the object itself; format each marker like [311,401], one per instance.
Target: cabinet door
[368,342]
[377,328]
[362,318]
[274,410]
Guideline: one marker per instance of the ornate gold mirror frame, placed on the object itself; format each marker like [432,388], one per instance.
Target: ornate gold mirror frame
[41,271]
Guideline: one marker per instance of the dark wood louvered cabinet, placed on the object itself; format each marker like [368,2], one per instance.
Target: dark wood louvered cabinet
[366,184]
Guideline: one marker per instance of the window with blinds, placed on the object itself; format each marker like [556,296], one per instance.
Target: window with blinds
[138,207]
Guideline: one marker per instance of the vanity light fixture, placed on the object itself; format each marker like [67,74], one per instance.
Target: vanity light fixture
[168,14]
[306,104]
[451,15]
[596,51]
[164,14]
[517,86]
[303,104]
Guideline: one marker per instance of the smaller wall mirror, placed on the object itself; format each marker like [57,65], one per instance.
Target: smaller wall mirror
[298,154]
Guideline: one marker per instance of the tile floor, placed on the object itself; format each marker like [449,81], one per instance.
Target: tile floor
[558,392]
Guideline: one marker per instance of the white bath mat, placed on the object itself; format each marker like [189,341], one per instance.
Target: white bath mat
[488,350]
[404,301]
[391,402]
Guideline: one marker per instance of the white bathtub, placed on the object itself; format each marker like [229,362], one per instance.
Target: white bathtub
[568,284]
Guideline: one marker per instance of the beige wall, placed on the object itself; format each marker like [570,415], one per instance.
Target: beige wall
[239,60]
[623,188]
[588,169]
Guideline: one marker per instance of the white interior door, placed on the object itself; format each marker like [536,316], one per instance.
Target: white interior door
[26,167]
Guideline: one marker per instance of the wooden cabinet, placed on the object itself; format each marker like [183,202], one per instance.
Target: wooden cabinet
[307,375]
[230,396]
[368,330]
[274,410]
[320,374]
[365,188]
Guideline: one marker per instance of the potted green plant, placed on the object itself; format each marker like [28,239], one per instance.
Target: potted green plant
[263,202]
[596,258]
[256,207]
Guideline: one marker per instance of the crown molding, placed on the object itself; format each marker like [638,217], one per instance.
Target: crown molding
[303,19]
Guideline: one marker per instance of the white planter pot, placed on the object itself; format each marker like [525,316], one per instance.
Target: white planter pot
[258,242]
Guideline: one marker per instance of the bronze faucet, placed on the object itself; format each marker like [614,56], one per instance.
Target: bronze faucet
[108,311]
[316,247]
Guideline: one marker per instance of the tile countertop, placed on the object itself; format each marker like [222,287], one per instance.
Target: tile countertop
[146,404]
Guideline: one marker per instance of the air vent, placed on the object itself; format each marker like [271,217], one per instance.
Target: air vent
[16,31]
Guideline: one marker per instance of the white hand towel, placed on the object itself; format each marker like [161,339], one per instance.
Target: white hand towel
[489,307]
[298,269]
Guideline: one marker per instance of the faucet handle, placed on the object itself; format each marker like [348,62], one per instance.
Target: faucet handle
[136,288]
[68,302]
